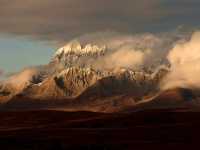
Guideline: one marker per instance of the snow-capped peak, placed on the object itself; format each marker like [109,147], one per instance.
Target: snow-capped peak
[70,47]
[75,48]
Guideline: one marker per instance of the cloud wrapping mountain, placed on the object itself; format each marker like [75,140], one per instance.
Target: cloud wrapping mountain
[125,57]
[129,51]
[179,51]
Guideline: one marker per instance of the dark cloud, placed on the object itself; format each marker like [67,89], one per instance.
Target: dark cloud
[64,19]
[181,13]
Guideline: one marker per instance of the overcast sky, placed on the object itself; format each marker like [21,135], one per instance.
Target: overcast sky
[28,27]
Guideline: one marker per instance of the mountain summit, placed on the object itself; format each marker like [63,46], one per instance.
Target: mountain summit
[73,54]
[75,48]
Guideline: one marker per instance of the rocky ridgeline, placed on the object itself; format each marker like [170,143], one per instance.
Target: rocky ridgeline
[75,81]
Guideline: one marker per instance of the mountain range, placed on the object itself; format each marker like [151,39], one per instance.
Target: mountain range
[70,82]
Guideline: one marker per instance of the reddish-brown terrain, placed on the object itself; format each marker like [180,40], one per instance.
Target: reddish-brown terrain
[171,120]
[150,129]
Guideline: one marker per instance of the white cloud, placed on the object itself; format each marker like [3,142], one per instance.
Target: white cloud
[130,51]
[185,64]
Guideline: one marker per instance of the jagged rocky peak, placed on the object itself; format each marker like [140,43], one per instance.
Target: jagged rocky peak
[75,80]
